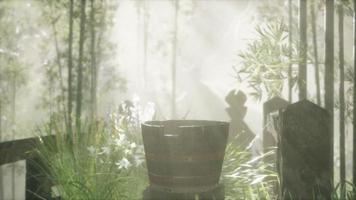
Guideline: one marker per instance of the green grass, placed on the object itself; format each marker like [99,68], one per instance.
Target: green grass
[102,163]
[89,169]
[106,161]
[247,177]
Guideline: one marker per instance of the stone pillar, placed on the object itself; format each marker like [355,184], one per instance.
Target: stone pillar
[305,148]
[239,133]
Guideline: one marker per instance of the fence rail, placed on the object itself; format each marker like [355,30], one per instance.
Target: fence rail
[37,184]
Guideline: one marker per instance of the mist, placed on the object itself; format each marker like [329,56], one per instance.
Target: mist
[99,69]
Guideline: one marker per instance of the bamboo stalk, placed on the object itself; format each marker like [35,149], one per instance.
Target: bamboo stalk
[93,69]
[174,59]
[329,68]
[342,101]
[80,68]
[316,56]
[354,102]
[70,69]
[302,75]
[290,42]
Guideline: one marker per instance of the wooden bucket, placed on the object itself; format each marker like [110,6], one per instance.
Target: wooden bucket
[185,155]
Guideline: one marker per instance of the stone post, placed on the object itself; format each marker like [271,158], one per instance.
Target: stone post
[305,152]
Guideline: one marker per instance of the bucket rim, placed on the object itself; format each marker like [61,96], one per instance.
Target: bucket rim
[181,123]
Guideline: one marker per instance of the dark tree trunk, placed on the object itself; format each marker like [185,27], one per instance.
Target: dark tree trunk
[342,100]
[316,56]
[329,65]
[100,36]
[1,112]
[1,174]
[51,99]
[302,75]
[354,103]
[290,42]
[100,39]
[145,40]
[174,59]
[60,69]
[70,68]
[93,70]
[80,67]
[13,123]
[13,98]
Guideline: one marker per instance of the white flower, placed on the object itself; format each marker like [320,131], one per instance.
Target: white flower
[121,140]
[105,150]
[4,118]
[120,130]
[148,112]
[113,116]
[139,149]
[138,160]
[91,149]
[127,152]
[123,163]
[133,145]
[117,126]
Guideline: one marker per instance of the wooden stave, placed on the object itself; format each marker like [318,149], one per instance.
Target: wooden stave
[175,159]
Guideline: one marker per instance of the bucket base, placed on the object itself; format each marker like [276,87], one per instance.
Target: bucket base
[217,193]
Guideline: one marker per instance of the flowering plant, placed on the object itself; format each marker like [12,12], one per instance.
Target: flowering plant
[106,162]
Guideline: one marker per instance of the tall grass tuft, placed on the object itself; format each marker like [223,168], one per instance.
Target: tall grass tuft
[246,176]
[102,162]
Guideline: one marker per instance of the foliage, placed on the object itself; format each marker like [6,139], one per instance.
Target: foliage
[54,19]
[106,161]
[15,31]
[103,165]
[349,79]
[349,70]
[350,192]
[274,10]
[265,62]
[348,7]
[248,177]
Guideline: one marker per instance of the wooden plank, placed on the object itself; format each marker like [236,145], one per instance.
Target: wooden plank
[38,185]
[12,151]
